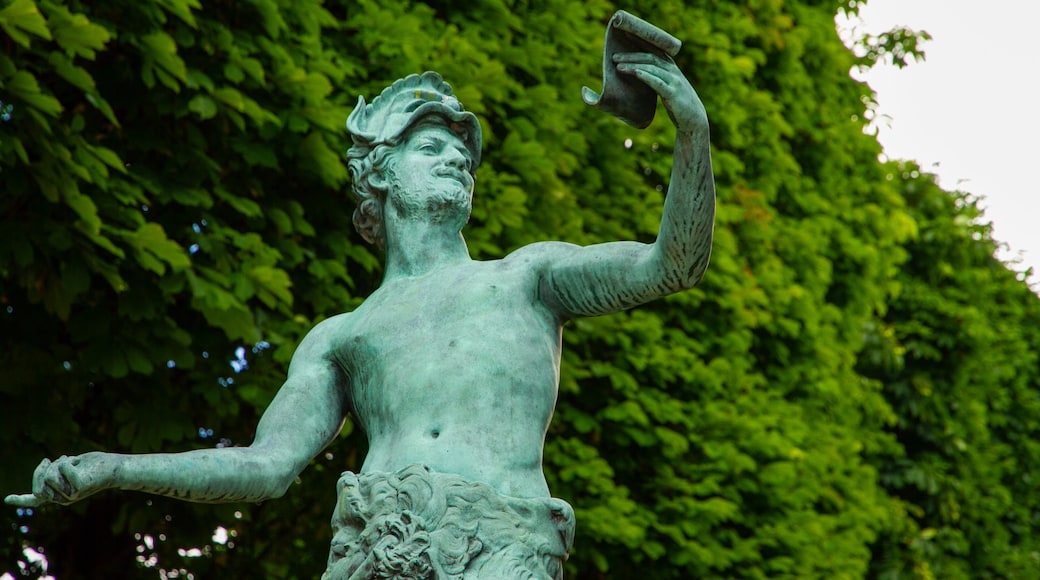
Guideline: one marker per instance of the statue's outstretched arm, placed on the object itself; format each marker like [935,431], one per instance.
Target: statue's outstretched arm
[604,278]
[304,417]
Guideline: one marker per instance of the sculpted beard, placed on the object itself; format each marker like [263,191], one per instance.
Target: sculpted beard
[443,200]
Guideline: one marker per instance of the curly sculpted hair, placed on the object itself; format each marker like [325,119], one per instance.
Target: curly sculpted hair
[370,181]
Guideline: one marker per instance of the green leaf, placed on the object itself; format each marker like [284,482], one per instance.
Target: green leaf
[108,157]
[319,158]
[274,284]
[223,310]
[85,209]
[257,153]
[254,69]
[280,219]
[20,19]
[259,115]
[160,52]
[100,239]
[182,9]
[316,86]
[19,149]
[230,97]
[233,73]
[154,250]
[325,117]
[23,85]
[239,203]
[198,79]
[203,106]
[270,17]
[102,105]
[76,33]
[75,75]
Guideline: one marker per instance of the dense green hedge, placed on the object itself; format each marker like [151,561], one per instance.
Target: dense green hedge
[851,391]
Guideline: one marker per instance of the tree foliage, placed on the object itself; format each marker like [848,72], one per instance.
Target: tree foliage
[849,393]
[957,353]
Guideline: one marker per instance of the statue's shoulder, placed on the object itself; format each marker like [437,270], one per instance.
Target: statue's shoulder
[334,324]
[326,336]
[540,254]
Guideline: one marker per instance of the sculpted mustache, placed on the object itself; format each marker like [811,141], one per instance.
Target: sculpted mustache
[454,173]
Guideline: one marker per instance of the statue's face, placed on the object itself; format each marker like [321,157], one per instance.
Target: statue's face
[431,173]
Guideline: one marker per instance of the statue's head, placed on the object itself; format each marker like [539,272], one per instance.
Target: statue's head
[379,128]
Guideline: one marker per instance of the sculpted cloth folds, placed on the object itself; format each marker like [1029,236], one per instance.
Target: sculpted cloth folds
[624,96]
[417,524]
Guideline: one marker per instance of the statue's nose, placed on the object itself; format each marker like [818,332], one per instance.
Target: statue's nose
[457,160]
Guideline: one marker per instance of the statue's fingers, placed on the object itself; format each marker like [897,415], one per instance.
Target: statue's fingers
[620,57]
[645,74]
[49,483]
[71,478]
[61,488]
[24,500]
[641,57]
[40,476]
[648,58]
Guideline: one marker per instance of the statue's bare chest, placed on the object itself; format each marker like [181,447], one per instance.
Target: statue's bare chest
[411,310]
[449,335]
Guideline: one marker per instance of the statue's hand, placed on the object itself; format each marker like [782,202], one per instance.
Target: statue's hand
[64,480]
[663,76]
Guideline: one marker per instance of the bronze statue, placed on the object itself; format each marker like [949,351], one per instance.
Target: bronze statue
[451,366]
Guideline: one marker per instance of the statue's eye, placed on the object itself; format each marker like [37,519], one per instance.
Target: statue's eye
[428,148]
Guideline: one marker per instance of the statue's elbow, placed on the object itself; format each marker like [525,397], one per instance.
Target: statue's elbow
[277,491]
[282,481]
[695,274]
[681,268]
[273,478]
[689,282]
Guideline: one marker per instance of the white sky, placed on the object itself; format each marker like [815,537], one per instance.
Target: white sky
[970,112]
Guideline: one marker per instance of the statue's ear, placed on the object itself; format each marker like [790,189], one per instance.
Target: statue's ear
[383,176]
[379,179]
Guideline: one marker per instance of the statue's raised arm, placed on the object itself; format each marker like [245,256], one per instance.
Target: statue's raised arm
[604,278]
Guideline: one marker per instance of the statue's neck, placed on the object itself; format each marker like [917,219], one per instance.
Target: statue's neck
[414,248]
